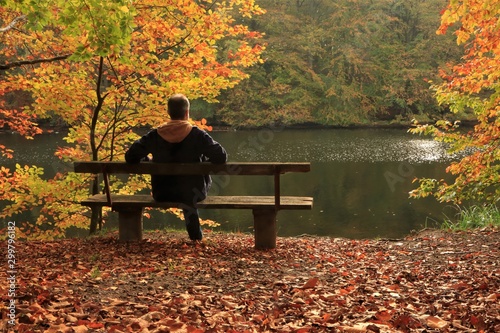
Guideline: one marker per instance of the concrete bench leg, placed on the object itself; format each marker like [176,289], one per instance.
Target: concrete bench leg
[130,225]
[264,223]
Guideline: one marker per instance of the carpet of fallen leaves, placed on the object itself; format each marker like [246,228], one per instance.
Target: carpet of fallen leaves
[431,281]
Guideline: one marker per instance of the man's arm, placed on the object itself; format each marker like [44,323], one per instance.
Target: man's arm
[213,150]
[138,151]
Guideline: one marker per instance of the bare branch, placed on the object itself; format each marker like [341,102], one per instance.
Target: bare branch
[32,62]
[13,23]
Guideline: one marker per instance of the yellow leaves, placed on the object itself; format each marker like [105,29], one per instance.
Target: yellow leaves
[474,16]
[150,56]
[478,28]
[134,184]
[49,201]
[246,55]
[462,36]
[177,212]
[5,172]
[248,8]
[209,223]
[175,47]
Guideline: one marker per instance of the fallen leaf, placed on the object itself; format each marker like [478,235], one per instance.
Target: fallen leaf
[80,329]
[311,283]
[435,322]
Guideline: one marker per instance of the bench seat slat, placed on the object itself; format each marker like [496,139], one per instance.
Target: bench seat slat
[230,168]
[228,202]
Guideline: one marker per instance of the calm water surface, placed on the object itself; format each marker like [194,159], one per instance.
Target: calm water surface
[359,179]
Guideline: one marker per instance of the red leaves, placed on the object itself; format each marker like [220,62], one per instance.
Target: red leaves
[472,85]
[136,42]
[311,283]
[448,283]
[89,324]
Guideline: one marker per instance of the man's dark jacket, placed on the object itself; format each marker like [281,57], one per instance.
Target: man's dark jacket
[197,146]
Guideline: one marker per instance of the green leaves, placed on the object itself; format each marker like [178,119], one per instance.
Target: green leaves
[343,63]
[127,57]
[472,87]
[101,27]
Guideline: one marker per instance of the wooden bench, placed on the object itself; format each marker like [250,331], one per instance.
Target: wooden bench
[130,207]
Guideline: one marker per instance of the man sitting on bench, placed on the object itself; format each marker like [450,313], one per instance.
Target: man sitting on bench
[179,141]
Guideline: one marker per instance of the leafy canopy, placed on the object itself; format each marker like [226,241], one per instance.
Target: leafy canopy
[473,85]
[105,68]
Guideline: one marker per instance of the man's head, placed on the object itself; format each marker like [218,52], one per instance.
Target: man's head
[178,107]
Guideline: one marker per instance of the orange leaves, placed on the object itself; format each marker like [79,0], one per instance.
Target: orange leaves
[118,78]
[478,25]
[18,121]
[472,86]
[311,283]
[165,283]
[146,65]
[203,124]
[6,152]
[245,54]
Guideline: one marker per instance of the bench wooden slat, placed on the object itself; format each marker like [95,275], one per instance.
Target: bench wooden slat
[214,202]
[230,168]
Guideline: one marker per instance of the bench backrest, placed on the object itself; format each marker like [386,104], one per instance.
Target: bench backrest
[231,168]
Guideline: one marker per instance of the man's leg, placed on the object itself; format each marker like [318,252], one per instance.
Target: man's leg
[193,226]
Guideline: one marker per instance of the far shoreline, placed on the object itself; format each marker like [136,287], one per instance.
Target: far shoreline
[50,129]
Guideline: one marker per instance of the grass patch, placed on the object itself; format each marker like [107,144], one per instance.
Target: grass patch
[474,217]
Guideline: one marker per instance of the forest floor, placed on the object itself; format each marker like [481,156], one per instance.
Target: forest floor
[430,281]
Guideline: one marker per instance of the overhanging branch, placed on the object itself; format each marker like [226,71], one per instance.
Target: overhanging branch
[32,62]
[13,23]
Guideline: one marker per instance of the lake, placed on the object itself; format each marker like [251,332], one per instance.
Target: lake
[359,179]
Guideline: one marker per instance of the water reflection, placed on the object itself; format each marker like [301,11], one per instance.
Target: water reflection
[369,145]
[360,179]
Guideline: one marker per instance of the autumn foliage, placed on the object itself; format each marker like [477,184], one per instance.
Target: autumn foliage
[429,282]
[473,85]
[105,68]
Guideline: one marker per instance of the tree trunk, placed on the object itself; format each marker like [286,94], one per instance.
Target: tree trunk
[96,217]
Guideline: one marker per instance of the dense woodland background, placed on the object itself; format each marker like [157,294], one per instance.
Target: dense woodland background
[338,63]
[341,63]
